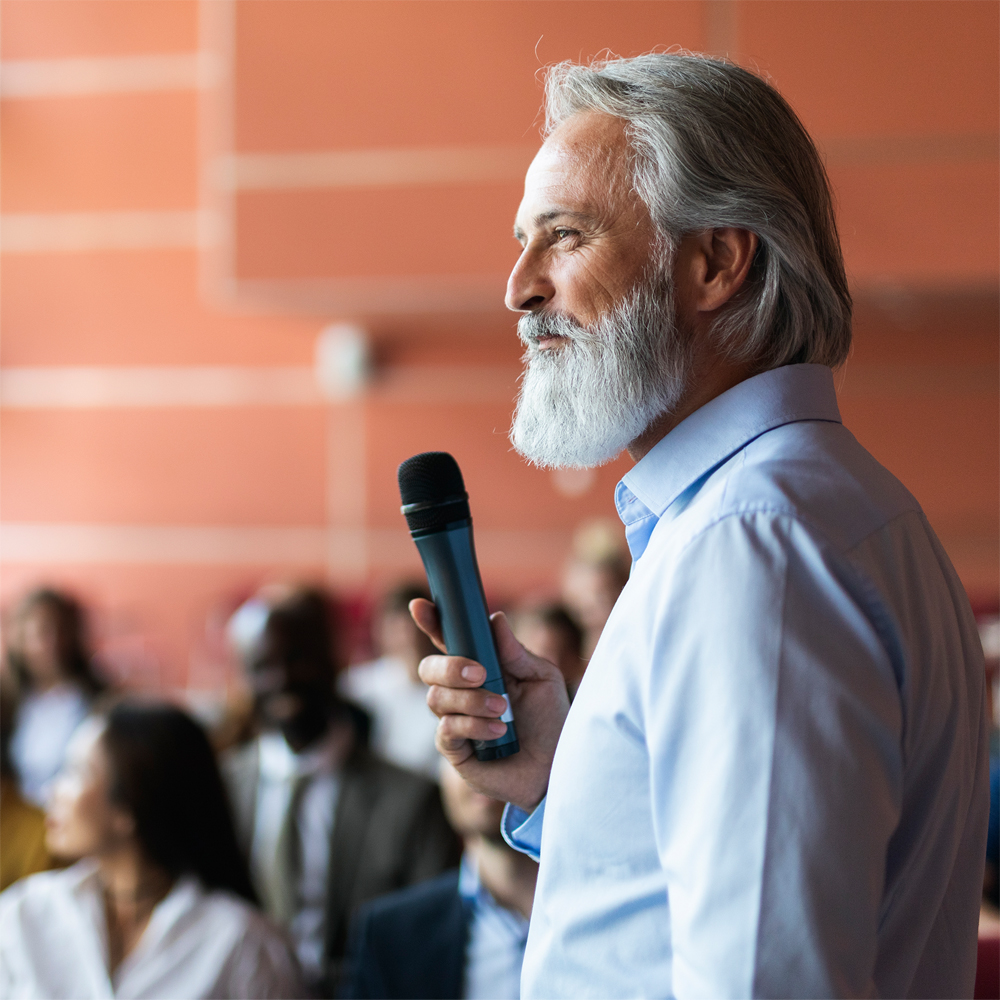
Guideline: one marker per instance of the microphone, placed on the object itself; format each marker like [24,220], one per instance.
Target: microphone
[436,508]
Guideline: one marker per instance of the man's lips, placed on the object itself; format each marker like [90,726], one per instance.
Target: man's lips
[550,342]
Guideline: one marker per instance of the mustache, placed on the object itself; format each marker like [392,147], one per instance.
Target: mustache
[532,327]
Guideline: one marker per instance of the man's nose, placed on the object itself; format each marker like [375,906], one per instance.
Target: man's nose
[528,287]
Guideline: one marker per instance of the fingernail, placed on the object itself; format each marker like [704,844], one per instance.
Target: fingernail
[499,728]
[471,673]
[495,704]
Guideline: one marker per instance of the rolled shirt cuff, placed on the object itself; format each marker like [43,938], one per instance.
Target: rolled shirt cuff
[523,831]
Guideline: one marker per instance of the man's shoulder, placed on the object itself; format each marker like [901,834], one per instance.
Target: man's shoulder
[410,943]
[389,782]
[424,902]
[240,764]
[812,472]
[371,680]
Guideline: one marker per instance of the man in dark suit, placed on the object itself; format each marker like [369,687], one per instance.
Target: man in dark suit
[325,823]
[461,935]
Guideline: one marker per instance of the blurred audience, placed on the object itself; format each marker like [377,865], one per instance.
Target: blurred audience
[160,904]
[50,666]
[390,689]
[326,823]
[458,936]
[22,825]
[593,577]
[548,630]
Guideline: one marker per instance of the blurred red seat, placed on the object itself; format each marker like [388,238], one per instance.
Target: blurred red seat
[988,968]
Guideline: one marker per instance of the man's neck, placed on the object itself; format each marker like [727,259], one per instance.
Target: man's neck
[506,874]
[712,377]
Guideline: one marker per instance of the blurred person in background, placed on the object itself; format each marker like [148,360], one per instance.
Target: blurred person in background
[50,665]
[549,631]
[461,935]
[594,576]
[160,902]
[390,689]
[22,824]
[326,824]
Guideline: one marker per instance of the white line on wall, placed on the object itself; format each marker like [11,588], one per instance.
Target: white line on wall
[76,77]
[373,167]
[144,387]
[76,232]
[259,545]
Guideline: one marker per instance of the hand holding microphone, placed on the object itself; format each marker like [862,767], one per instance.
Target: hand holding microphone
[467,690]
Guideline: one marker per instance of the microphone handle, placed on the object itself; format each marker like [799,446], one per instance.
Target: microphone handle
[449,558]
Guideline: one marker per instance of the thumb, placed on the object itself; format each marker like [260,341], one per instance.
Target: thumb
[513,656]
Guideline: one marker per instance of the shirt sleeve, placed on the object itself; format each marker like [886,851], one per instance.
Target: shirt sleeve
[774,725]
[523,831]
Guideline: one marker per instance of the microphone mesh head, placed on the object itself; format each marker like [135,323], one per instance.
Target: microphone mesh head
[430,477]
[433,480]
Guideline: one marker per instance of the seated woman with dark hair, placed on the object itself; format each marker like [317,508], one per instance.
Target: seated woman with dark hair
[161,903]
[50,667]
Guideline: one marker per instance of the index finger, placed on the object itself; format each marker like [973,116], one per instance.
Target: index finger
[425,616]
[451,672]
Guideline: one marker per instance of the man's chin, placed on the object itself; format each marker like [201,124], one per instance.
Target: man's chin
[546,451]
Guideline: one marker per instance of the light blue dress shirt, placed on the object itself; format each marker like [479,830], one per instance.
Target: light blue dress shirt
[494,951]
[773,779]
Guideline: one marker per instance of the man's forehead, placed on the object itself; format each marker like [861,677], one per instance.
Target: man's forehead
[590,135]
[577,171]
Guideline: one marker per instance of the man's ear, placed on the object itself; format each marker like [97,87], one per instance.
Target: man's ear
[713,264]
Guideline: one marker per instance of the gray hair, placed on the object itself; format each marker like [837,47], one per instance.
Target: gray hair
[713,146]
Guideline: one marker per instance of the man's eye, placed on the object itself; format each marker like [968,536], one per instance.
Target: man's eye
[562,234]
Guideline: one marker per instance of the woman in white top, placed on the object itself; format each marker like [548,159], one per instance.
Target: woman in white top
[50,666]
[160,904]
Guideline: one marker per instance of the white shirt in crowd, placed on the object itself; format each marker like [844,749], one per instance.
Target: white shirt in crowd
[45,722]
[296,804]
[403,727]
[53,944]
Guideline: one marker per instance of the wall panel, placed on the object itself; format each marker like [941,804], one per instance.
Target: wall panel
[362,161]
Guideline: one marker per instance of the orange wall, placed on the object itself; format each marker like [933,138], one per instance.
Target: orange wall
[136,251]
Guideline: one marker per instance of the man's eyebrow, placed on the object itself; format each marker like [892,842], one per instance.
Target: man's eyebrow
[556,213]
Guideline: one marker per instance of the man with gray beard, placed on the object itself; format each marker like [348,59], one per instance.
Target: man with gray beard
[584,404]
[773,778]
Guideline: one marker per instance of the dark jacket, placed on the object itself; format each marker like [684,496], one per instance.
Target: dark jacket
[389,831]
[410,944]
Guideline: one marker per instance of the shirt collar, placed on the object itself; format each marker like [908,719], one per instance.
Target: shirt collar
[280,763]
[468,878]
[478,898]
[713,433]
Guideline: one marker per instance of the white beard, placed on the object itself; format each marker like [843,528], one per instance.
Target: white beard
[583,403]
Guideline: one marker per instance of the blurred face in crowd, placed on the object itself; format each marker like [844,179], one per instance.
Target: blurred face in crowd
[82,821]
[605,356]
[41,644]
[291,693]
[552,644]
[590,590]
[397,635]
[470,814]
